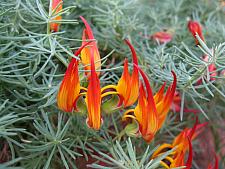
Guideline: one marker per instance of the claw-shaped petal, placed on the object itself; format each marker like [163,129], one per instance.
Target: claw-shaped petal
[128,85]
[93,98]
[89,50]
[181,144]
[69,90]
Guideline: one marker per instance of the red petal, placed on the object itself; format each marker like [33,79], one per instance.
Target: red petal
[82,47]
[194,27]
[196,129]
[159,95]
[191,133]
[150,99]
[216,161]
[134,55]
[69,88]
[133,84]
[89,31]
[170,94]
[94,98]
[190,155]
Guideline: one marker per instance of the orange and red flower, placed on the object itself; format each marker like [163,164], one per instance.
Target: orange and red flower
[128,85]
[70,87]
[195,28]
[69,90]
[56,7]
[181,144]
[92,48]
[151,112]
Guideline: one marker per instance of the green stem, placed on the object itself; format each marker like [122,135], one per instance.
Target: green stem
[120,135]
[48,28]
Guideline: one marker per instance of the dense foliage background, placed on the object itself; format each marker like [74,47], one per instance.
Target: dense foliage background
[34,133]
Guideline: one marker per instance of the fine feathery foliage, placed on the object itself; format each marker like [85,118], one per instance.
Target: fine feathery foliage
[127,158]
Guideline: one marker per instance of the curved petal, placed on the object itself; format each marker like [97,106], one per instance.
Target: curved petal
[150,100]
[122,87]
[149,124]
[70,87]
[132,125]
[69,90]
[162,149]
[164,107]
[128,85]
[190,155]
[111,90]
[160,94]
[178,160]
[89,30]
[93,98]
[87,52]
[191,132]
[216,166]
[140,110]
[129,114]
[134,84]
[166,162]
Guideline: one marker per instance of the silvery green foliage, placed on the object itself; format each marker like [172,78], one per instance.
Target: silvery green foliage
[126,158]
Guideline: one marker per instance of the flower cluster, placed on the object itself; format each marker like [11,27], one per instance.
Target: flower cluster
[150,111]
[181,144]
[146,112]
[69,97]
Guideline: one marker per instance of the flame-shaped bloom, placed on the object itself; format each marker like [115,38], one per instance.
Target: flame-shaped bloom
[56,8]
[216,165]
[182,143]
[128,85]
[69,90]
[195,28]
[70,87]
[87,51]
[162,37]
[151,112]
[93,97]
